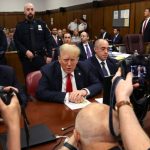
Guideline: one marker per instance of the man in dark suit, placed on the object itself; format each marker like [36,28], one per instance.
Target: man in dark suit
[117,38]
[101,62]
[145,28]
[67,79]
[32,40]
[56,41]
[86,48]
[8,79]
[104,35]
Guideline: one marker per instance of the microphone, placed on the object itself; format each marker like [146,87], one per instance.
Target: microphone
[68,127]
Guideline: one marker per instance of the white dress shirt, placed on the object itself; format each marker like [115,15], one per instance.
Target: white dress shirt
[106,66]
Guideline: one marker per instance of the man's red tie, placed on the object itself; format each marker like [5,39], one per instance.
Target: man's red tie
[68,83]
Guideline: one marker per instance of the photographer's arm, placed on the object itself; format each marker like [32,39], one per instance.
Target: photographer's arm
[133,136]
[11,116]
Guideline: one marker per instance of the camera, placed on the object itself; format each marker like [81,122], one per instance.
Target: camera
[7,95]
[139,65]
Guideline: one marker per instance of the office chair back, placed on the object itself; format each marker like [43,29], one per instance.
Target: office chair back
[134,42]
[32,81]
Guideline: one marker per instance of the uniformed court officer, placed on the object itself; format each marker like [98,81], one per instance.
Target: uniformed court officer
[32,39]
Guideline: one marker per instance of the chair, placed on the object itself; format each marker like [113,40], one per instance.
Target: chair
[134,42]
[32,81]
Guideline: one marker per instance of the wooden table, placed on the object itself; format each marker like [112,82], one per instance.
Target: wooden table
[55,116]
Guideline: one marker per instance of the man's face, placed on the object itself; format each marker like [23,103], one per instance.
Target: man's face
[146,13]
[84,37]
[67,38]
[68,61]
[102,50]
[29,11]
[54,31]
[115,31]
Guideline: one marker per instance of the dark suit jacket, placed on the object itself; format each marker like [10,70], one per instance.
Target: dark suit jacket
[107,36]
[83,55]
[94,64]
[118,39]
[53,42]
[146,35]
[8,78]
[50,85]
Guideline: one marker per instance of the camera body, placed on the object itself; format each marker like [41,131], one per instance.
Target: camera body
[6,95]
[139,65]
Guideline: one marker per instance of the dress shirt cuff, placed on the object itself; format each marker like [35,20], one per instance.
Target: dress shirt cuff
[66,100]
[88,92]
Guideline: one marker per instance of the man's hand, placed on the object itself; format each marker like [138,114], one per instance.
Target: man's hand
[77,96]
[10,113]
[124,87]
[48,60]
[29,54]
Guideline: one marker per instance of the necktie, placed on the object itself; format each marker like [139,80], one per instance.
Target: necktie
[68,83]
[88,53]
[104,69]
[32,36]
[144,26]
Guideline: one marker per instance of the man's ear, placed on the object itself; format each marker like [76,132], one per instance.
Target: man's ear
[76,135]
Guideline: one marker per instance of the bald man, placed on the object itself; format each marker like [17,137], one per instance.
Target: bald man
[92,129]
[101,62]
[33,42]
[67,79]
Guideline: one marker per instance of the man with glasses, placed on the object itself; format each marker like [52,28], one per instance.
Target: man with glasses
[67,79]
[101,62]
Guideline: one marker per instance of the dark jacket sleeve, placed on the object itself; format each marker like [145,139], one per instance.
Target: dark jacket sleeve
[48,86]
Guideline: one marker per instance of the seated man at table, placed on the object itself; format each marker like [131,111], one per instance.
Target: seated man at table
[92,129]
[101,62]
[67,79]
[11,115]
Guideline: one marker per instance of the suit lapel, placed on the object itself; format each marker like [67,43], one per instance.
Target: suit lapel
[110,66]
[58,77]
[78,78]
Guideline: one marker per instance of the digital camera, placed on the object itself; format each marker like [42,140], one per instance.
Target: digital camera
[139,65]
[6,95]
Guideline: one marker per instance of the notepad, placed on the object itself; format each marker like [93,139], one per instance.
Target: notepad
[73,106]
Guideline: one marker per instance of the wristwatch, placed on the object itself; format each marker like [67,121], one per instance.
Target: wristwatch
[69,146]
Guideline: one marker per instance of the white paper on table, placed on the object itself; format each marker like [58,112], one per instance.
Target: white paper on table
[99,100]
[77,105]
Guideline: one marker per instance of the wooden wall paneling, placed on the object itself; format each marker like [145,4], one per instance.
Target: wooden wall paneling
[139,14]
[97,21]
[126,30]
[63,22]
[20,17]
[10,20]
[46,19]
[1,20]
[69,17]
[108,17]
[88,13]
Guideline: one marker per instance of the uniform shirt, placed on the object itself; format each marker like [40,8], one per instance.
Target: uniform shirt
[73,26]
[22,37]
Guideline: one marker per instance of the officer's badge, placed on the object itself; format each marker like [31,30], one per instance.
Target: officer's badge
[39,27]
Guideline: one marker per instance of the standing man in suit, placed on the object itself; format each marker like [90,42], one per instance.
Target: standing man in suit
[8,79]
[86,48]
[32,39]
[104,35]
[56,41]
[101,62]
[117,38]
[67,79]
[3,47]
[145,28]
